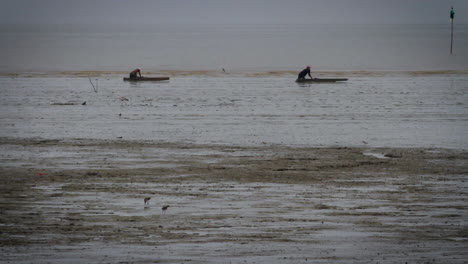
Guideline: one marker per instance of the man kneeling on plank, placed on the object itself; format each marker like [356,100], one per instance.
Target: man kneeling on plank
[133,74]
[303,73]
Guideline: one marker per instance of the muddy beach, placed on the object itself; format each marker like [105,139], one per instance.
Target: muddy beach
[254,168]
[81,201]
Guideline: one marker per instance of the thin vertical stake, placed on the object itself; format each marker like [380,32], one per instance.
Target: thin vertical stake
[452,17]
[451,37]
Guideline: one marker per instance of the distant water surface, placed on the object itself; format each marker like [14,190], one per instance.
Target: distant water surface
[233,47]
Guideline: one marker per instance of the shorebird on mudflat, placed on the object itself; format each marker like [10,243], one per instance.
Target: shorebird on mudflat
[164,209]
[146,200]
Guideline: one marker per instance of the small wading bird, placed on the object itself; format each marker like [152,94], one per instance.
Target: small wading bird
[164,209]
[146,200]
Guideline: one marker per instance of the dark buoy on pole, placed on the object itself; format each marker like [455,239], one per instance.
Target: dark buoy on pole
[452,16]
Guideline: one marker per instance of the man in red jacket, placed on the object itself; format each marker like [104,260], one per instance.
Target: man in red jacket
[133,74]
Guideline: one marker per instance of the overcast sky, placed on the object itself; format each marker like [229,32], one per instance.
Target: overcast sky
[150,12]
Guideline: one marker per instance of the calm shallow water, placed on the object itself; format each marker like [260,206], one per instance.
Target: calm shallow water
[389,111]
[233,47]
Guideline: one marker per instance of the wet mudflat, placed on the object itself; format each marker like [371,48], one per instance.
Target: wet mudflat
[254,167]
[249,109]
[81,201]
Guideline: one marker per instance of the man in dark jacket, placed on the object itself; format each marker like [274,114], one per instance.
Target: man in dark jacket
[303,73]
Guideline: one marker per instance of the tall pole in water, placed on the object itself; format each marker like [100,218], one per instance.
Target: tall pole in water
[452,16]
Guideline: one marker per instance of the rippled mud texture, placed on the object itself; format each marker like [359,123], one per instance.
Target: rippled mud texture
[81,201]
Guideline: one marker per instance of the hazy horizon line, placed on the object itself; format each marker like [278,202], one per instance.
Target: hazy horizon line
[215,25]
